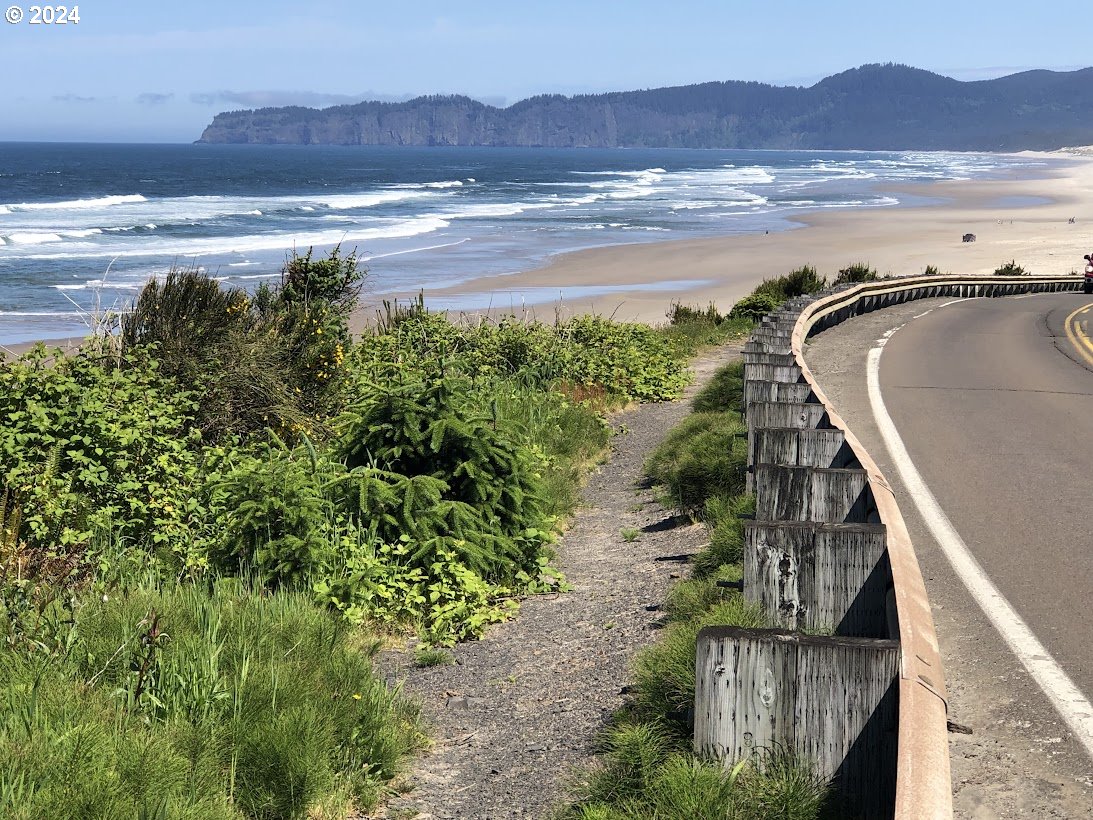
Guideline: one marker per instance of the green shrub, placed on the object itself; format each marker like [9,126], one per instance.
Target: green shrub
[276,360]
[679,313]
[931,270]
[799,282]
[858,272]
[755,306]
[482,481]
[276,516]
[88,447]
[1010,268]
[627,361]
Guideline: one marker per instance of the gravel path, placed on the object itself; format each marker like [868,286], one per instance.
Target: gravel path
[523,706]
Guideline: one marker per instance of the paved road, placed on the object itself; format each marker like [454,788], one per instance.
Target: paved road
[994,402]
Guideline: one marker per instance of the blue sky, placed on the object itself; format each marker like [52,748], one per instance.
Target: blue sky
[147,71]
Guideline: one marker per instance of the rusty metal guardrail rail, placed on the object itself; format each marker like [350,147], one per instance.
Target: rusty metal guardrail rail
[854,663]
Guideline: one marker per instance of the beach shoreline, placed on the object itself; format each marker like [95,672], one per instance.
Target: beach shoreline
[1024,219]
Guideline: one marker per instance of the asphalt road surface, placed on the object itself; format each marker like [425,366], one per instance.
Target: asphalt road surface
[993,400]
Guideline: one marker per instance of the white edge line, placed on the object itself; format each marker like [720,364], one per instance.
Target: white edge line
[954,301]
[1068,700]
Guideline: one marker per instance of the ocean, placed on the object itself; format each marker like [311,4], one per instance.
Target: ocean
[82,227]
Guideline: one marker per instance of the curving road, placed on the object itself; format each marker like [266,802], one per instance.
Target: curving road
[995,406]
[993,400]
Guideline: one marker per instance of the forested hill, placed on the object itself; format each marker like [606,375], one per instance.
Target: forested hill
[873,107]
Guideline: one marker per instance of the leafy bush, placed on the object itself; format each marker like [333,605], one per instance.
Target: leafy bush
[1010,268]
[89,447]
[627,361]
[276,518]
[858,272]
[799,282]
[755,306]
[931,270]
[484,481]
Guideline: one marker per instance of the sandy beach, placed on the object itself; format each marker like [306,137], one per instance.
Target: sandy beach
[1025,220]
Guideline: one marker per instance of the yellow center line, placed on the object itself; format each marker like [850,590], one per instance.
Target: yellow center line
[1077,335]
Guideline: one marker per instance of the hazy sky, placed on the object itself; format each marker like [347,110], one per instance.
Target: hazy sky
[150,71]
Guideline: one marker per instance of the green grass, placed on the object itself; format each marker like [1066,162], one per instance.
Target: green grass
[630,534]
[196,703]
[645,773]
[725,390]
[703,456]
[427,656]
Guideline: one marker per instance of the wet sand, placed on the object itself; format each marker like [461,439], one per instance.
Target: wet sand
[1025,220]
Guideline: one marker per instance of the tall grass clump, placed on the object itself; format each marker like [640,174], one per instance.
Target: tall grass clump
[724,391]
[853,274]
[1010,268]
[704,455]
[799,282]
[692,328]
[194,703]
[271,360]
[772,292]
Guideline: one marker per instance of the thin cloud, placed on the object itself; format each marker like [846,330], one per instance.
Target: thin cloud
[152,98]
[74,98]
[313,99]
[268,99]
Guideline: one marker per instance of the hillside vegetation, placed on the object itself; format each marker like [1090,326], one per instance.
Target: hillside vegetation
[210,522]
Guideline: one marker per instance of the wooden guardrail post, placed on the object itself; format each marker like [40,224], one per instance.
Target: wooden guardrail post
[831,700]
[760,390]
[802,447]
[785,493]
[819,577]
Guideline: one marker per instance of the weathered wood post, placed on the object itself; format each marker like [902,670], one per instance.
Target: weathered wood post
[756,390]
[819,577]
[830,700]
[764,414]
[833,496]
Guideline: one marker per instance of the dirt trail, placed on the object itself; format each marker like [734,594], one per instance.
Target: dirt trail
[523,706]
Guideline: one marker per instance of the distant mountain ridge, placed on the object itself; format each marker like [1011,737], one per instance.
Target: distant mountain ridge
[874,107]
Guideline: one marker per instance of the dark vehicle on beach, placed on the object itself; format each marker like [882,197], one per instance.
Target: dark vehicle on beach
[1087,285]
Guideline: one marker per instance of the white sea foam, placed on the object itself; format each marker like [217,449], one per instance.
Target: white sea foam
[171,246]
[39,314]
[416,250]
[369,200]
[75,204]
[451,183]
[32,238]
